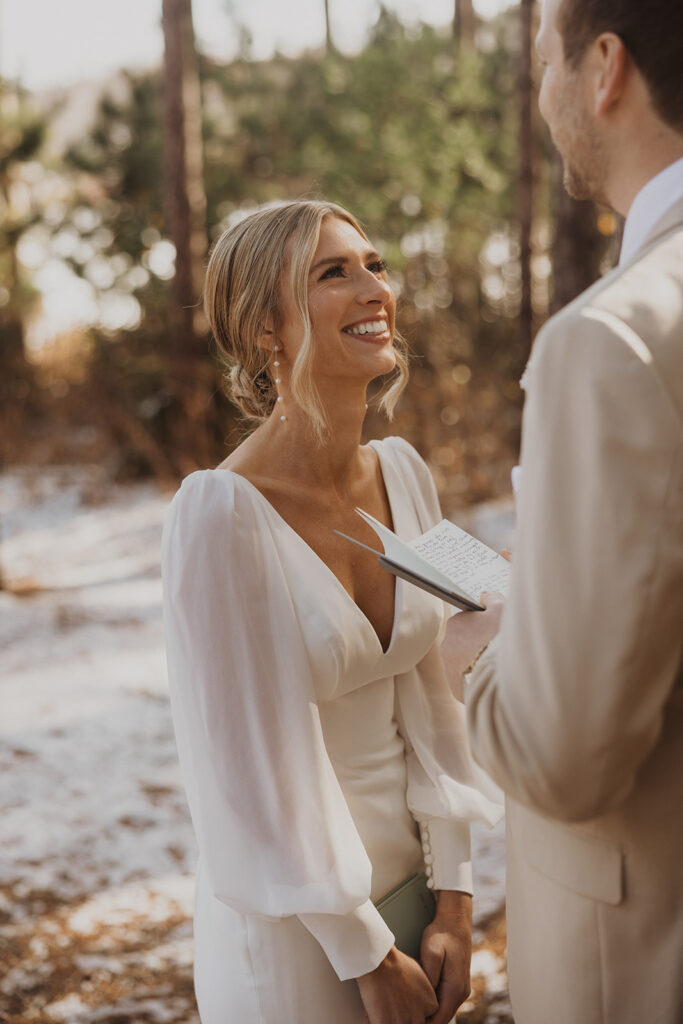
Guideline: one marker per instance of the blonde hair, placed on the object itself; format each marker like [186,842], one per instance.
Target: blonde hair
[241,294]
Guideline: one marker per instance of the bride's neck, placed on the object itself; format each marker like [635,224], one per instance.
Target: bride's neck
[295,450]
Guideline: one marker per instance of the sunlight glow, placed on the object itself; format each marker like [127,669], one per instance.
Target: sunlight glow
[81,40]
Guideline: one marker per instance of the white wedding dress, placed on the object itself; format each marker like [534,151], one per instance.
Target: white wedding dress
[311,757]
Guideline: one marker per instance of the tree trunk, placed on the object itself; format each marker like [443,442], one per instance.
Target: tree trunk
[185,197]
[526,174]
[578,246]
[464,23]
[192,375]
[329,43]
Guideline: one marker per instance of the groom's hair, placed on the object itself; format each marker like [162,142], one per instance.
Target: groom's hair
[652,32]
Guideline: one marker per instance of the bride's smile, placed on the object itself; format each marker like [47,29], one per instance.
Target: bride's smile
[377,330]
[350,304]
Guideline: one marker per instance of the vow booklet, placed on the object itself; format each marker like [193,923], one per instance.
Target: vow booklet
[407,910]
[446,561]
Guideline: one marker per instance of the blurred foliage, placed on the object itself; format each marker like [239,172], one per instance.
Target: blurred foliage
[413,136]
[22,131]
[21,135]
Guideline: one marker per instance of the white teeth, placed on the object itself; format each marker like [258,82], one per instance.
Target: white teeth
[371,327]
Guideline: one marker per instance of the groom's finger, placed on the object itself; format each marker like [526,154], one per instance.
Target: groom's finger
[451,996]
[445,1013]
[432,963]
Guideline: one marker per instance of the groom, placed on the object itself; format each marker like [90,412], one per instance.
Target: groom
[576,708]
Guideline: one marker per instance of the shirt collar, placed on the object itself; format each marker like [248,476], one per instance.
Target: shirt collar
[651,203]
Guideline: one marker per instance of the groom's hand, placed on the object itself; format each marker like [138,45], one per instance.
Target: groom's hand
[446,953]
[467,635]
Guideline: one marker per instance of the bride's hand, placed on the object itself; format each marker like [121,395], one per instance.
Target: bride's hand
[467,635]
[397,992]
[447,951]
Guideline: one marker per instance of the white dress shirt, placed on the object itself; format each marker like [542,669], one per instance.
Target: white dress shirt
[651,203]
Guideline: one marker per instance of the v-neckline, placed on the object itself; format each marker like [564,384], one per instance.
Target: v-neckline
[398,584]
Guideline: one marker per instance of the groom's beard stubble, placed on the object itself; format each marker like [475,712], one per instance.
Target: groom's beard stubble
[581,185]
[583,156]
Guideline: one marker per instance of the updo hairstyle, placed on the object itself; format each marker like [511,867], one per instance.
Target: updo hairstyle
[241,293]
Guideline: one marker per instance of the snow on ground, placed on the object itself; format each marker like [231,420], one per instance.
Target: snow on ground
[96,847]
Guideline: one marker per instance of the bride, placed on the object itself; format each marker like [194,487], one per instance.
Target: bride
[324,757]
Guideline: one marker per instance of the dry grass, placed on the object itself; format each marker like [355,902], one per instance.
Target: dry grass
[133,970]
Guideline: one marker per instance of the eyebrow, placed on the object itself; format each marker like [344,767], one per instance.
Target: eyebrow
[330,260]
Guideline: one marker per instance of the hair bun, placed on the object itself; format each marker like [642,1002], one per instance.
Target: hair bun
[255,395]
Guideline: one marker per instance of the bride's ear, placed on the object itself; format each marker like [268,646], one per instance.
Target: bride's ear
[267,337]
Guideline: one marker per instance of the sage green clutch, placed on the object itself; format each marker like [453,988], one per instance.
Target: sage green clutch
[407,910]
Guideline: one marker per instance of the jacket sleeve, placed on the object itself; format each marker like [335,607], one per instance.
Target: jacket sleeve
[568,701]
[274,831]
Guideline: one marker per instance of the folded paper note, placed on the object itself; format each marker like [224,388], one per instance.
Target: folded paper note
[446,561]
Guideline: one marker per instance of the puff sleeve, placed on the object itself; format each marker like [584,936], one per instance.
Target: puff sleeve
[274,831]
[446,787]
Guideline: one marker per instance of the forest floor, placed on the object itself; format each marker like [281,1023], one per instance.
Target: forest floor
[96,846]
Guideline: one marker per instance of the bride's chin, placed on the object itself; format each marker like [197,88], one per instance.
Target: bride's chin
[389,360]
[364,370]
[384,354]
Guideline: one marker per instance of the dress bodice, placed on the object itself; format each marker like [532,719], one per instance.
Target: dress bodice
[353,679]
[344,650]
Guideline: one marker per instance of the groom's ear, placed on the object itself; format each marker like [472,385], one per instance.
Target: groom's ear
[612,64]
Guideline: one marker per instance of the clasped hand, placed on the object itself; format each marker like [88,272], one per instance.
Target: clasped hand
[402,991]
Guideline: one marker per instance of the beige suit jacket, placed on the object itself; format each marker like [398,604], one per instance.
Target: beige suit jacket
[576,709]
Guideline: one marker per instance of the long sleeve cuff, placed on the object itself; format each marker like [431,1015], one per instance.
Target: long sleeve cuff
[354,943]
[446,851]
[482,667]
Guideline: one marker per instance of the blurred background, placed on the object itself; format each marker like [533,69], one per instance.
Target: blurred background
[131,134]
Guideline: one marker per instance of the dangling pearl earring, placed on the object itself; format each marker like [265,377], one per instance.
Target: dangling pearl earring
[278,379]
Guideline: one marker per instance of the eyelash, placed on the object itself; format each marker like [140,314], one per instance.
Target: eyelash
[377,267]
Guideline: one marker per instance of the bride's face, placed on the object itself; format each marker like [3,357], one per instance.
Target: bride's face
[351,306]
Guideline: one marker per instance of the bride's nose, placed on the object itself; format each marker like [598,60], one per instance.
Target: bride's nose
[372,288]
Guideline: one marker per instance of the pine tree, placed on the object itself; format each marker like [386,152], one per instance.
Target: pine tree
[464,23]
[185,198]
[329,43]
[526,171]
[21,135]
[185,202]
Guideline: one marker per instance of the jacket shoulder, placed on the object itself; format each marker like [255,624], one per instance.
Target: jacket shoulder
[634,313]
